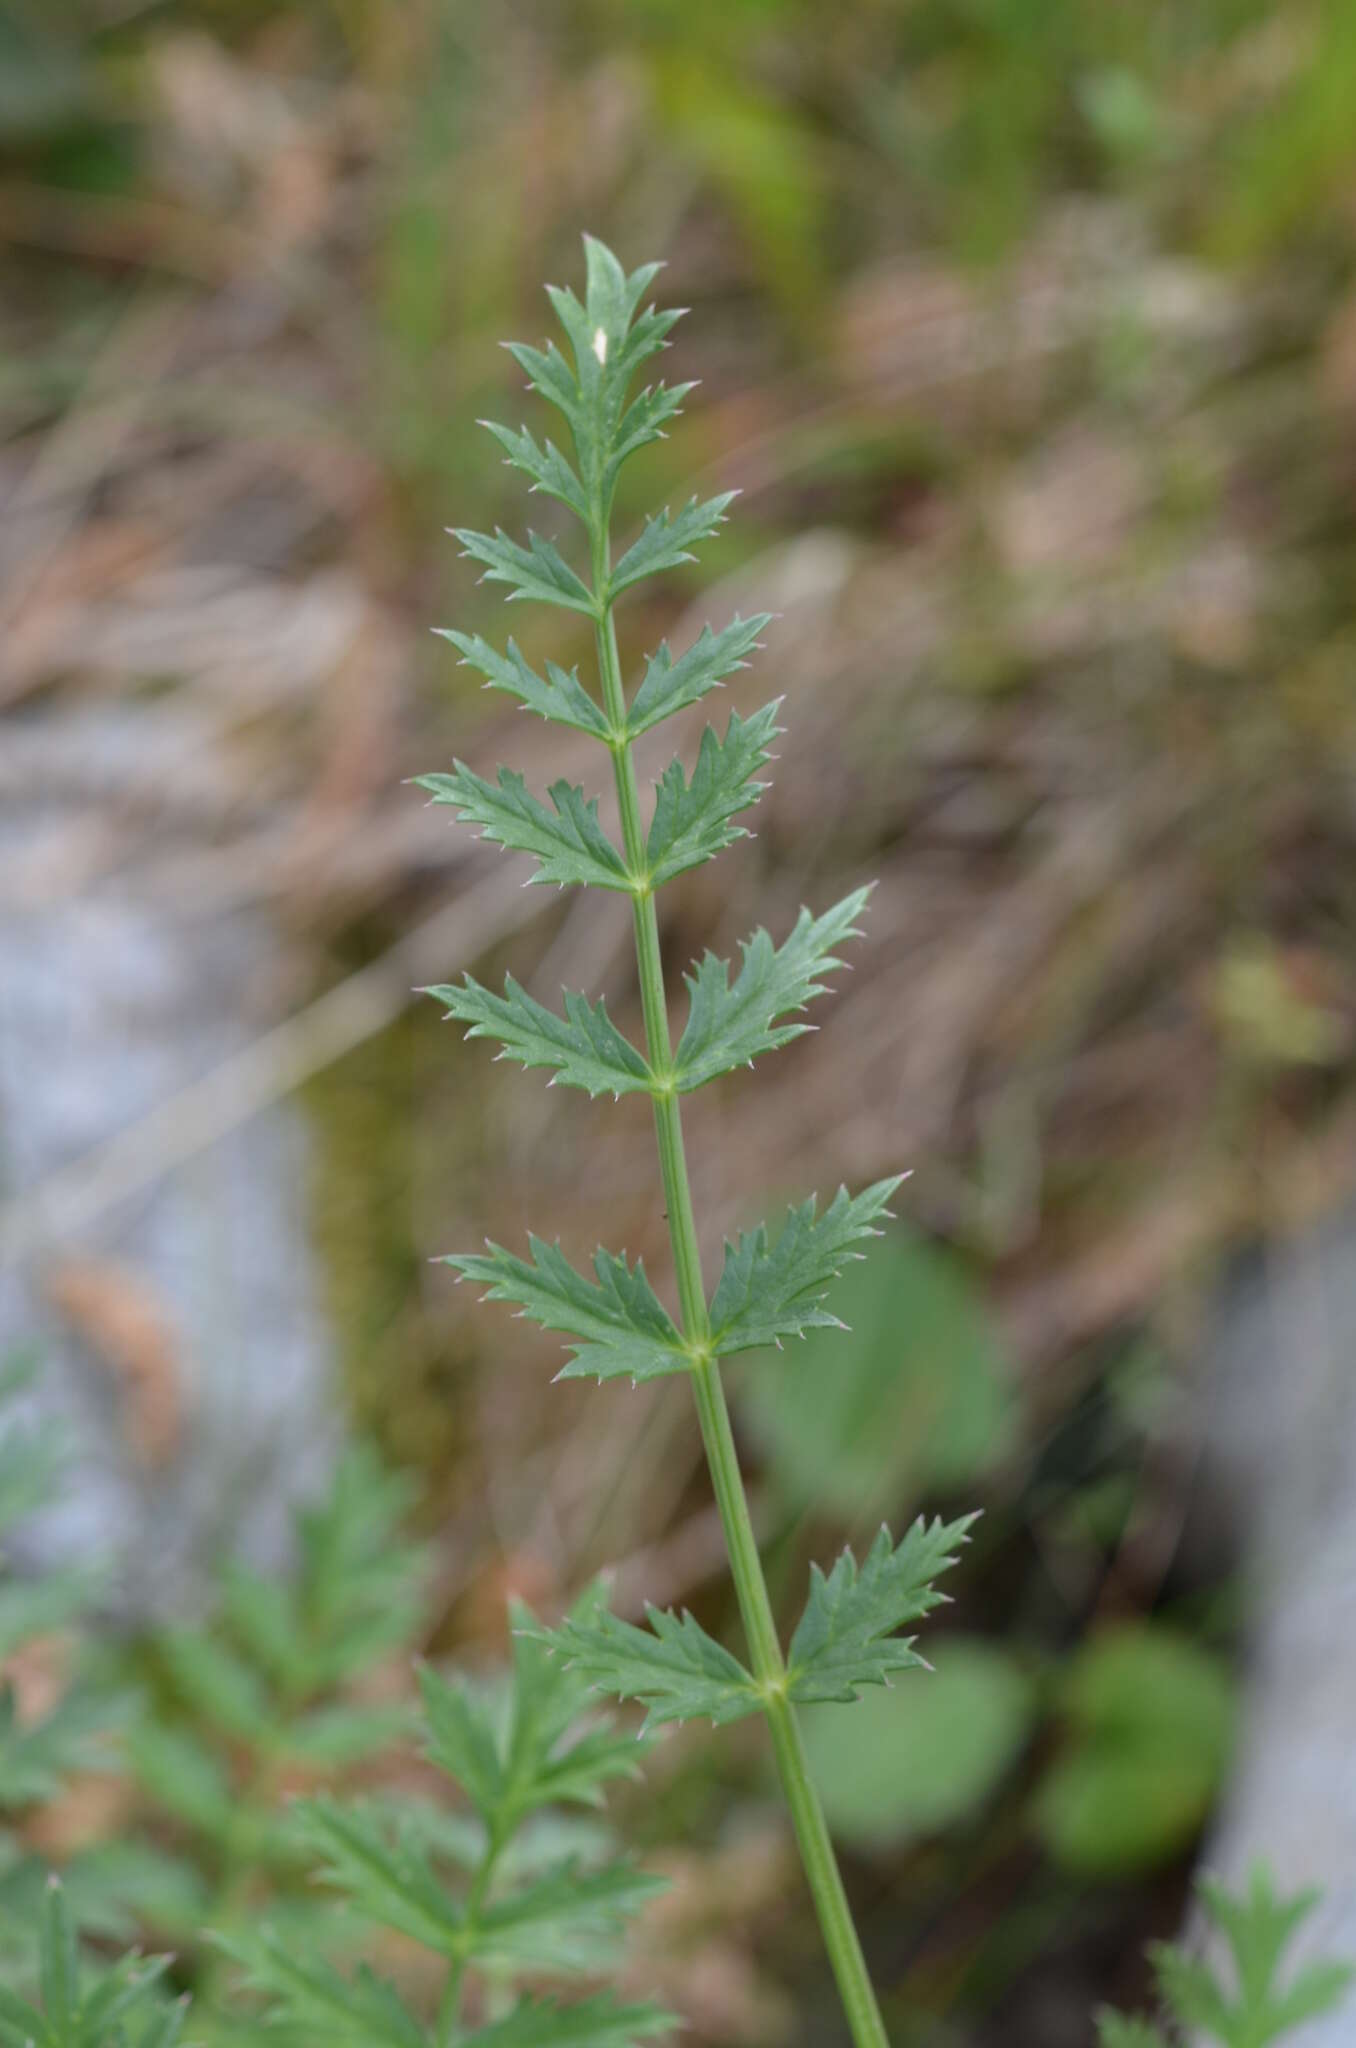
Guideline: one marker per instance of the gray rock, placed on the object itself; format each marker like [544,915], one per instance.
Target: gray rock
[112,1000]
[1283,1438]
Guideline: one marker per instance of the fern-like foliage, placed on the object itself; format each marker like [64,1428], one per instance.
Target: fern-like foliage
[44,1616]
[1252,2004]
[516,1896]
[37,1753]
[771,1287]
[270,1688]
[77,2006]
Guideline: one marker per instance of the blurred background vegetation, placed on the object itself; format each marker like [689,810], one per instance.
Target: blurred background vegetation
[1027,329]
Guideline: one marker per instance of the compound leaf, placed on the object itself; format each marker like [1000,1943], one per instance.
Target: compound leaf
[551,1757]
[538,1753]
[667,541]
[770,1291]
[618,1326]
[1258,1924]
[215,1681]
[846,1637]
[73,2014]
[670,685]
[584,1046]
[560,697]
[391,1880]
[1314,1990]
[462,1737]
[569,843]
[363,1581]
[559,1921]
[546,466]
[694,820]
[362,2011]
[673,1667]
[1191,1991]
[538,570]
[189,1779]
[729,1024]
[608,343]
[36,1755]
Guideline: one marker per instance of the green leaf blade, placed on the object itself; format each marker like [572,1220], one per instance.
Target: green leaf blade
[312,1998]
[558,1751]
[642,422]
[670,685]
[608,341]
[617,1326]
[566,1919]
[560,697]
[667,541]
[390,1880]
[538,571]
[673,1667]
[693,821]
[730,1023]
[584,1047]
[569,843]
[547,467]
[460,1738]
[847,1637]
[767,1291]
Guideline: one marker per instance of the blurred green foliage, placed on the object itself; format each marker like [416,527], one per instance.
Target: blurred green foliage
[1149,1717]
[926,1754]
[1253,2002]
[917,1400]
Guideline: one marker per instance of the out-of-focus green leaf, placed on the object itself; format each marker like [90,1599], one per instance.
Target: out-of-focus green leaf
[1254,2010]
[918,1398]
[1149,1716]
[926,1753]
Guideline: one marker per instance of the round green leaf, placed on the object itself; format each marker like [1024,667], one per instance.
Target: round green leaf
[916,1398]
[1150,1719]
[913,1759]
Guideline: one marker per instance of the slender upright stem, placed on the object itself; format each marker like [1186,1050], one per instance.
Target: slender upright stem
[449,2005]
[807,1815]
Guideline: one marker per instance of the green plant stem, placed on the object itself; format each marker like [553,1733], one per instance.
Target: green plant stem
[449,2005]
[807,1815]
